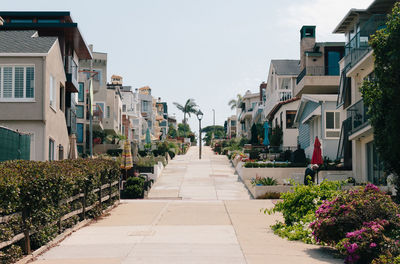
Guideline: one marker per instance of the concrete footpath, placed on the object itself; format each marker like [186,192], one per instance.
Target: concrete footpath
[197,212]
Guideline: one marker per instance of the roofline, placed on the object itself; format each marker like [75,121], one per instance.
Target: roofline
[24,54]
[35,13]
[352,10]
[276,108]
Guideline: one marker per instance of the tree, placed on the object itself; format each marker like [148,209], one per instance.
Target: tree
[382,94]
[172,133]
[183,130]
[219,133]
[235,103]
[256,134]
[190,107]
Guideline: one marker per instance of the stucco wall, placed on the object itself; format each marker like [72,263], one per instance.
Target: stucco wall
[56,126]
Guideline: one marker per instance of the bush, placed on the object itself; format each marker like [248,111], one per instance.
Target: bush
[37,188]
[298,209]
[363,224]
[264,181]
[114,152]
[134,188]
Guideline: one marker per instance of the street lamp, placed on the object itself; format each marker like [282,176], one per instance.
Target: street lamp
[199,117]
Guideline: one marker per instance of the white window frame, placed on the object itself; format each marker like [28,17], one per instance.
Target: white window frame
[13,98]
[52,93]
[334,123]
[52,151]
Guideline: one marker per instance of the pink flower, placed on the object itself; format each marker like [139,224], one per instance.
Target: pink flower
[372,245]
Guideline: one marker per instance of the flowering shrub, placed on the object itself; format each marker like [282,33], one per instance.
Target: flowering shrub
[363,224]
[264,181]
[298,209]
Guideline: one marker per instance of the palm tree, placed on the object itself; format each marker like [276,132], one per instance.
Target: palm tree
[190,107]
[235,103]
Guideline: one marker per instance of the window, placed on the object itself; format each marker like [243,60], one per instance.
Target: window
[79,111]
[21,21]
[61,97]
[124,108]
[79,133]
[51,149]
[281,117]
[285,84]
[332,124]
[16,82]
[108,111]
[100,106]
[81,94]
[233,123]
[98,76]
[48,21]
[290,118]
[51,92]
[145,106]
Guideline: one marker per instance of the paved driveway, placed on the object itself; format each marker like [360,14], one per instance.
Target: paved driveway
[197,212]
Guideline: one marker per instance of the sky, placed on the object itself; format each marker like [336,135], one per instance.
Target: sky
[208,50]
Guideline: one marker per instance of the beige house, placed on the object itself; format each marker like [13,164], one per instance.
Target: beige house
[32,92]
[246,111]
[231,126]
[356,147]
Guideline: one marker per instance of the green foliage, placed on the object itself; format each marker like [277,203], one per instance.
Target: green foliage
[381,95]
[272,165]
[235,103]
[257,134]
[135,187]
[219,133]
[114,152]
[298,209]
[276,137]
[385,259]
[363,224]
[190,107]
[264,181]
[172,132]
[36,188]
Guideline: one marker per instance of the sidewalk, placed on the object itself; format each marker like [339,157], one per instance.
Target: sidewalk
[198,213]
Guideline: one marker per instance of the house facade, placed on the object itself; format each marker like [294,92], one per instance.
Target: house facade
[317,116]
[248,107]
[357,148]
[231,126]
[32,92]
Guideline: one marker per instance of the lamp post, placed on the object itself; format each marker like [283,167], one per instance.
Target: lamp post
[199,117]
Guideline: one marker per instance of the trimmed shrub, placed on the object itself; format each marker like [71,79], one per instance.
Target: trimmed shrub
[363,224]
[36,188]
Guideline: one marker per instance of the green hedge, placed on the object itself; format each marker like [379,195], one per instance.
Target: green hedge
[36,188]
[273,165]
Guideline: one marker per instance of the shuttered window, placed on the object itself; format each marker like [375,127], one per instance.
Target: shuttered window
[17,82]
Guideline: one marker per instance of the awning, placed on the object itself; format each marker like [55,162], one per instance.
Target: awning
[316,112]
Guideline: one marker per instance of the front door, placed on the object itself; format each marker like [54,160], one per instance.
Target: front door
[374,166]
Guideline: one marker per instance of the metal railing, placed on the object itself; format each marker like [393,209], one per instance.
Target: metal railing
[359,117]
[318,71]
[358,46]
[283,96]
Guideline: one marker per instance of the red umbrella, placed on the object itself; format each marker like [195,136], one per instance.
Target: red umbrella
[317,154]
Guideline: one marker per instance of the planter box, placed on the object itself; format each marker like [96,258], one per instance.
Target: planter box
[282,175]
[259,191]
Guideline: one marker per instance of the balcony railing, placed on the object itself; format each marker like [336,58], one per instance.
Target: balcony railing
[318,71]
[358,46]
[358,115]
[98,114]
[283,96]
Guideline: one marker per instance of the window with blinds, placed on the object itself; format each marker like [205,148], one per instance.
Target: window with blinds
[17,82]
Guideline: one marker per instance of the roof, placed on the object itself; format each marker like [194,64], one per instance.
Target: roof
[286,67]
[279,105]
[316,98]
[376,7]
[25,42]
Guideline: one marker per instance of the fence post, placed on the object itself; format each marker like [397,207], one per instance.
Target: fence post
[110,191]
[84,204]
[27,240]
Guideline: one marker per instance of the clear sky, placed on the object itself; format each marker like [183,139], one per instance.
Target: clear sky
[209,50]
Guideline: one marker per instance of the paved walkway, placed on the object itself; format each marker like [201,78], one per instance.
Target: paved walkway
[197,212]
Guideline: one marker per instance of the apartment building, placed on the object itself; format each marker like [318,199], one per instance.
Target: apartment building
[280,85]
[148,108]
[32,92]
[356,147]
[95,70]
[317,85]
[231,126]
[131,114]
[72,48]
[113,106]
[162,119]
[248,106]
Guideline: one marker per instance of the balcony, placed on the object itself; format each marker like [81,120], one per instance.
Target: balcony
[72,76]
[246,114]
[317,79]
[357,113]
[358,46]
[283,96]
[97,118]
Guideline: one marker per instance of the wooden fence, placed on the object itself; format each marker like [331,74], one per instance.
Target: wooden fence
[26,233]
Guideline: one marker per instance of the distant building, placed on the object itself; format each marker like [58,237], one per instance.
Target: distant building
[231,126]
[248,107]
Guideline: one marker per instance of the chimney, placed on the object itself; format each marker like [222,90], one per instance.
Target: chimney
[307,42]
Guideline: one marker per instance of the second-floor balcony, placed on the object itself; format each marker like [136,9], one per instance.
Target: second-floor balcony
[97,118]
[247,114]
[358,46]
[317,80]
[358,115]
[72,76]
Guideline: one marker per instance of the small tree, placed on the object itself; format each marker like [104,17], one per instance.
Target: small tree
[382,94]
